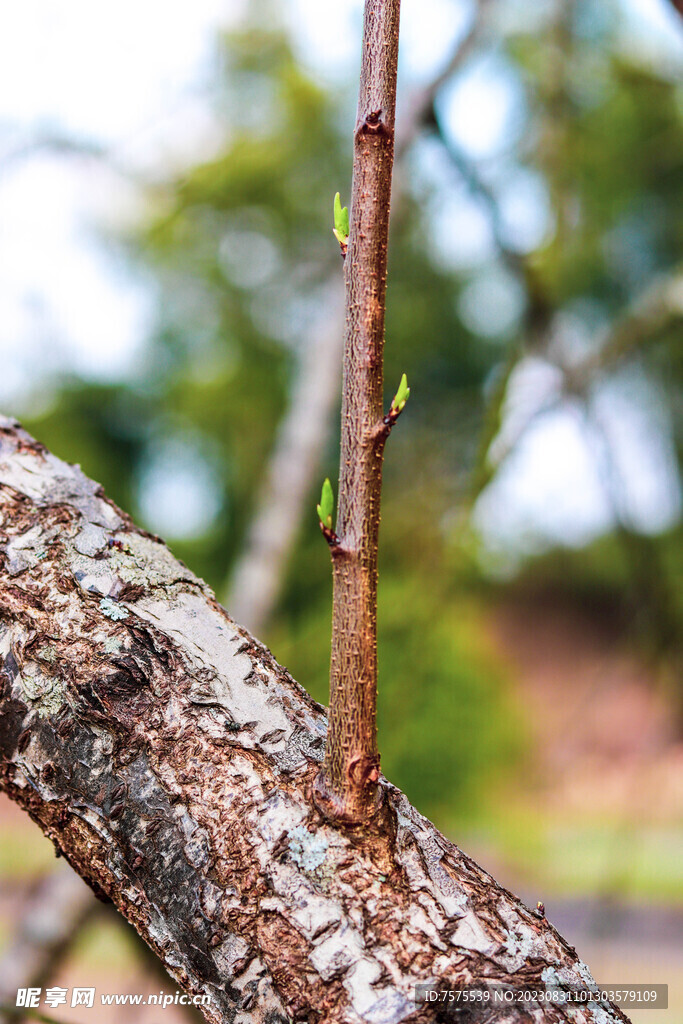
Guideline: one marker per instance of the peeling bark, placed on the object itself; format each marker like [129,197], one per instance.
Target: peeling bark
[170,760]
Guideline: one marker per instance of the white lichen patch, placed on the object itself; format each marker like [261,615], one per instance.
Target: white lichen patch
[307,849]
[212,899]
[359,984]
[372,1004]
[573,978]
[90,539]
[111,645]
[419,921]
[207,636]
[112,610]
[247,779]
[47,480]
[297,900]
[390,1007]
[215,722]
[601,1014]
[550,977]
[196,849]
[433,910]
[590,1013]
[269,1007]
[45,693]
[523,941]
[139,561]
[518,944]
[553,982]
[584,973]
[148,563]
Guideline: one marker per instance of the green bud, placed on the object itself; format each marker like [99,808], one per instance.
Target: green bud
[401,396]
[326,506]
[341,221]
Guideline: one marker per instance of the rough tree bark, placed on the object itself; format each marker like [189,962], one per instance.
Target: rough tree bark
[170,759]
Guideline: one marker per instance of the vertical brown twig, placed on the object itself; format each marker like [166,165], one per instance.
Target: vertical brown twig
[256,579]
[346,789]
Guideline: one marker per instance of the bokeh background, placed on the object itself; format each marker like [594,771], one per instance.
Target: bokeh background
[169,319]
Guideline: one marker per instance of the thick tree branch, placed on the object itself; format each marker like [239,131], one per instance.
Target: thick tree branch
[170,759]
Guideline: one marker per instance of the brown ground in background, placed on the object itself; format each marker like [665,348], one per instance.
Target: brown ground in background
[596,712]
[607,748]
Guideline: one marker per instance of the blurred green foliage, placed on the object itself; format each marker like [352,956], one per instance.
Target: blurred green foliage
[240,247]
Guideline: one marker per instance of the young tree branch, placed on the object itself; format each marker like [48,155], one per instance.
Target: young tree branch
[346,788]
[256,580]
